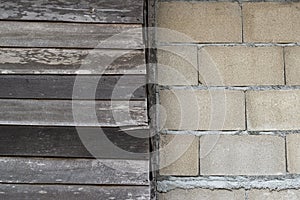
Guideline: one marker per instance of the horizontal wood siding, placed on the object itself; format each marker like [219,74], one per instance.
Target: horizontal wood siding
[70,35]
[67,142]
[62,113]
[78,192]
[73,102]
[71,61]
[73,171]
[100,11]
[62,87]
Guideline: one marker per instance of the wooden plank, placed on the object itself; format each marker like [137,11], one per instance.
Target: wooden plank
[67,142]
[101,11]
[78,192]
[73,171]
[61,87]
[71,61]
[70,35]
[46,192]
[72,113]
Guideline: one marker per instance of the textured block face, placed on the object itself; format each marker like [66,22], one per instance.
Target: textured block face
[177,65]
[202,110]
[241,66]
[201,21]
[274,195]
[179,154]
[293,153]
[242,155]
[273,110]
[292,65]
[199,194]
[271,22]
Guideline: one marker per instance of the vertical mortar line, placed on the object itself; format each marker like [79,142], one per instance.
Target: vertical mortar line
[246,195]
[242,18]
[199,83]
[198,64]
[286,158]
[199,156]
[284,65]
[245,109]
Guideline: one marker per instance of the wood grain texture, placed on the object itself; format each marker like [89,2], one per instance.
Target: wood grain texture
[73,171]
[72,192]
[67,142]
[71,61]
[72,113]
[61,87]
[70,35]
[100,11]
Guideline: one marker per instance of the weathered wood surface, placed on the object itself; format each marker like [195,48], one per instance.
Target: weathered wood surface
[73,171]
[72,113]
[100,11]
[70,35]
[72,192]
[61,87]
[71,61]
[66,142]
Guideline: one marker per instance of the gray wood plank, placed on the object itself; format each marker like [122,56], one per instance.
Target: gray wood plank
[71,61]
[100,11]
[72,113]
[61,87]
[72,192]
[73,171]
[70,35]
[67,142]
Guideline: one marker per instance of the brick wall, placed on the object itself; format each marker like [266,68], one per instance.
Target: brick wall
[230,99]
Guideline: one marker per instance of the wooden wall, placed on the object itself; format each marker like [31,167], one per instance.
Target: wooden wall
[47,47]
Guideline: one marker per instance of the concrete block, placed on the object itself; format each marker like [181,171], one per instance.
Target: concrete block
[177,65]
[200,21]
[241,66]
[273,110]
[179,155]
[242,155]
[199,194]
[202,110]
[271,22]
[292,65]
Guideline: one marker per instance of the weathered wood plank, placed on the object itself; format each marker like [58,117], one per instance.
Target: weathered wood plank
[70,35]
[100,11]
[67,142]
[71,61]
[61,87]
[72,113]
[73,171]
[78,192]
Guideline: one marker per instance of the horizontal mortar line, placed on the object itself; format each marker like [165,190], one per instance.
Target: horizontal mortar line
[238,1]
[272,182]
[240,88]
[230,132]
[249,44]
